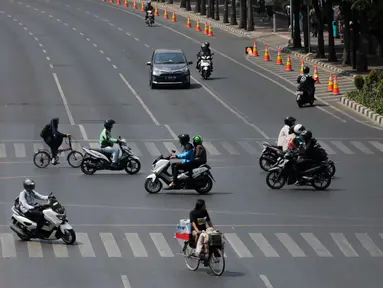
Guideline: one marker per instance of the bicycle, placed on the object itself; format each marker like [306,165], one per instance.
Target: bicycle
[43,157]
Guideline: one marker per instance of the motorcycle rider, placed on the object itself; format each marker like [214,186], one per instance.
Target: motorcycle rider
[199,152]
[148,7]
[205,51]
[285,134]
[107,142]
[296,141]
[53,138]
[30,207]
[306,82]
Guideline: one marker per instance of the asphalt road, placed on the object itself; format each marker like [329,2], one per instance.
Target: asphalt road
[84,61]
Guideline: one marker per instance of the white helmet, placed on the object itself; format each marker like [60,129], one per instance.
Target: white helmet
[298,129]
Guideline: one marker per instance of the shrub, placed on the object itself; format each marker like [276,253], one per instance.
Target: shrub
[370,98]
[359,82]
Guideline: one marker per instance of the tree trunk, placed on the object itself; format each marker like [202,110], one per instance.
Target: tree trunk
[212,8]
[216,10]
[346,12]
[319,13]
[209,4]
[203,7]
[183,4]
[188,6]
[197,8]
[354,39]
[381,44]
[233,16]
[250,18]
[297,31]
[242,8]
[306,33]
[362,63]
[170,2]
[331,45]
[226,12]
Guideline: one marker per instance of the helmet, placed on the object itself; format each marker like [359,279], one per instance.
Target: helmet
[290,121]
[184,139]
[199,204]
[203,46]
[148,2]
[306,70]
[188,147]
[197,140]
[29,185]
[207,44]
[108,124]
[298,129]
[307,135]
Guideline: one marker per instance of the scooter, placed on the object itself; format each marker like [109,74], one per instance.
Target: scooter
[150,20]
[205,66]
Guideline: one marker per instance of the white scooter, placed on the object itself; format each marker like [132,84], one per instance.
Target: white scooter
[199,179]
[150,20]
[205,66]
[56,223]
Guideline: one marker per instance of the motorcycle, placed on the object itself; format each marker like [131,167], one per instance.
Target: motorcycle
[56,223]
[269,156]
[205,66]
[150,20]
[199,179]
[303,94]
[323,156]
[282,173]
[96,159]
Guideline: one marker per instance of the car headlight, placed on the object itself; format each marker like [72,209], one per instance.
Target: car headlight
[156,72]
[184,70]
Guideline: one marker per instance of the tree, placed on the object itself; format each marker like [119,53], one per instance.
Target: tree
[210,4]
[331,44]
[319,14]
[188,6]
[250,18]
[183,4]
[226,12]
[242,13]
[216,10]
[170,1]
[345,9]
[203,7]
[197,8]
[233,16]
[297,31]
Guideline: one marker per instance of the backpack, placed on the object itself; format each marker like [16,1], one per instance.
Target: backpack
[45,132]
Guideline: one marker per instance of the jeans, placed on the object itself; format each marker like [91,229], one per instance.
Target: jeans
[115,153]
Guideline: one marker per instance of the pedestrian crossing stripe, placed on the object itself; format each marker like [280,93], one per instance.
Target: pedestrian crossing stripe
[235,148]
[251,245]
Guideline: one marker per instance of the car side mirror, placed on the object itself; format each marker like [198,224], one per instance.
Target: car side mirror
[190,62]
[149,63]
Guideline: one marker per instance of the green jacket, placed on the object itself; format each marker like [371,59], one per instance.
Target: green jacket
[106,139]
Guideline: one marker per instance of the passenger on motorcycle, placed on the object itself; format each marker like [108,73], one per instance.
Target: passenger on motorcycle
[296,141]
[148,7]
[199,217]
[107,142]
[205,51]
[285,134]
[306,82]
[200,157]
[30,207]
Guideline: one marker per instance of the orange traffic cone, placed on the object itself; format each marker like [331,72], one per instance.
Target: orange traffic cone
[188,23]
[126,3]
[288,64]
[198,26]
[174,17]
[103,0]
[255,50]
[210,31]
[166,16]
[335,89]
[134,4]
[156,11]
[279,58]
[206,29]
[142,7]
[267,54]
[110,1]
[302,66]
[330,83]
[316,75]
[118,2]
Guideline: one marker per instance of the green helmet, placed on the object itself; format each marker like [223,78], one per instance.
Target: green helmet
[197,140]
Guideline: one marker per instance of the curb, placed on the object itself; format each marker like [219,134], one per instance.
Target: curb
[377,118]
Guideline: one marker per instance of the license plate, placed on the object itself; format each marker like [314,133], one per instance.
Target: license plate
[170,77]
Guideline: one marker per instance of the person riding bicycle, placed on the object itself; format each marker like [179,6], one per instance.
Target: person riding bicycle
[53,138]
[107,141]
[148,7]
[199,152]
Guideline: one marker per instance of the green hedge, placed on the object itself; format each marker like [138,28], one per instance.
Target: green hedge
[370,91]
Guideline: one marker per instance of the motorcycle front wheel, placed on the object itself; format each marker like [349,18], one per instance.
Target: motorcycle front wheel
[132,166]
[69,237]
[206,186]
[274,179]
[153,187]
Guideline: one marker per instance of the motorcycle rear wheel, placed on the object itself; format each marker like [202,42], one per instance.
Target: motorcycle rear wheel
[85,166]
[265,163]
[325,177]
[203,190]
[330,166]
[272,179]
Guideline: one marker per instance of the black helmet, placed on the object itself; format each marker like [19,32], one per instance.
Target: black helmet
[203,46]
[108,124]
[290,121]
[29,185]
[199,204]
[184,139]
[207,44]
[306,70]
[307,135]
[188,146]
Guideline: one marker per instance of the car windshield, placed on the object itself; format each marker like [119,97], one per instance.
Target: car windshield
[169,58]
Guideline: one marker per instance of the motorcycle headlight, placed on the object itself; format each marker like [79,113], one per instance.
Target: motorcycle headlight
[156,72]
[61,217]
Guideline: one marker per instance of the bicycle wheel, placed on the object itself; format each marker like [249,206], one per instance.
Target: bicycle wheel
[74,159]
[42,159]
[217,258]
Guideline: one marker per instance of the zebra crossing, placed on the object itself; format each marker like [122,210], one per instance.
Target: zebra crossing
[218,148]
[149,245]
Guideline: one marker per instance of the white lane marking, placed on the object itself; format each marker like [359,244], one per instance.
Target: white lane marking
[110,245]
[25,28]
[41,45]
[119,29]
[127,33]
[377,145]
[170,146]
[94,145]
[174,135]
[317,246]
[19,150]
[63,99]
[102,52]
[264,245]
[21,24]
[60,250]
[83,132]
[229,148]
[342,147]
[95,45]
[344,246]
[136,245]
[361,147]
[37,147]
[78,9]
[107,58]
[49,59]
[290,245]
[8,246]
[125,281]
[139,99]
[35,250]
[111,24]
[146,45]
[50,65]
[37,39]
[266,281]
[82,34]
[136,39]
[87,39]
[58,20]
[369,244]
[66,24]
[135,149]
[50,16]
[238,245]
[30,33]
[249,149]
[161,244]
[3,151]
[326,147]
[44,51]
[211,149]
[36,9]
[152,149]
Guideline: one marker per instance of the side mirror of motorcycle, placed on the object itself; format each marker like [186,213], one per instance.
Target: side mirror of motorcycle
[149,63]
[50,194]
[190,62]
[173,151]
